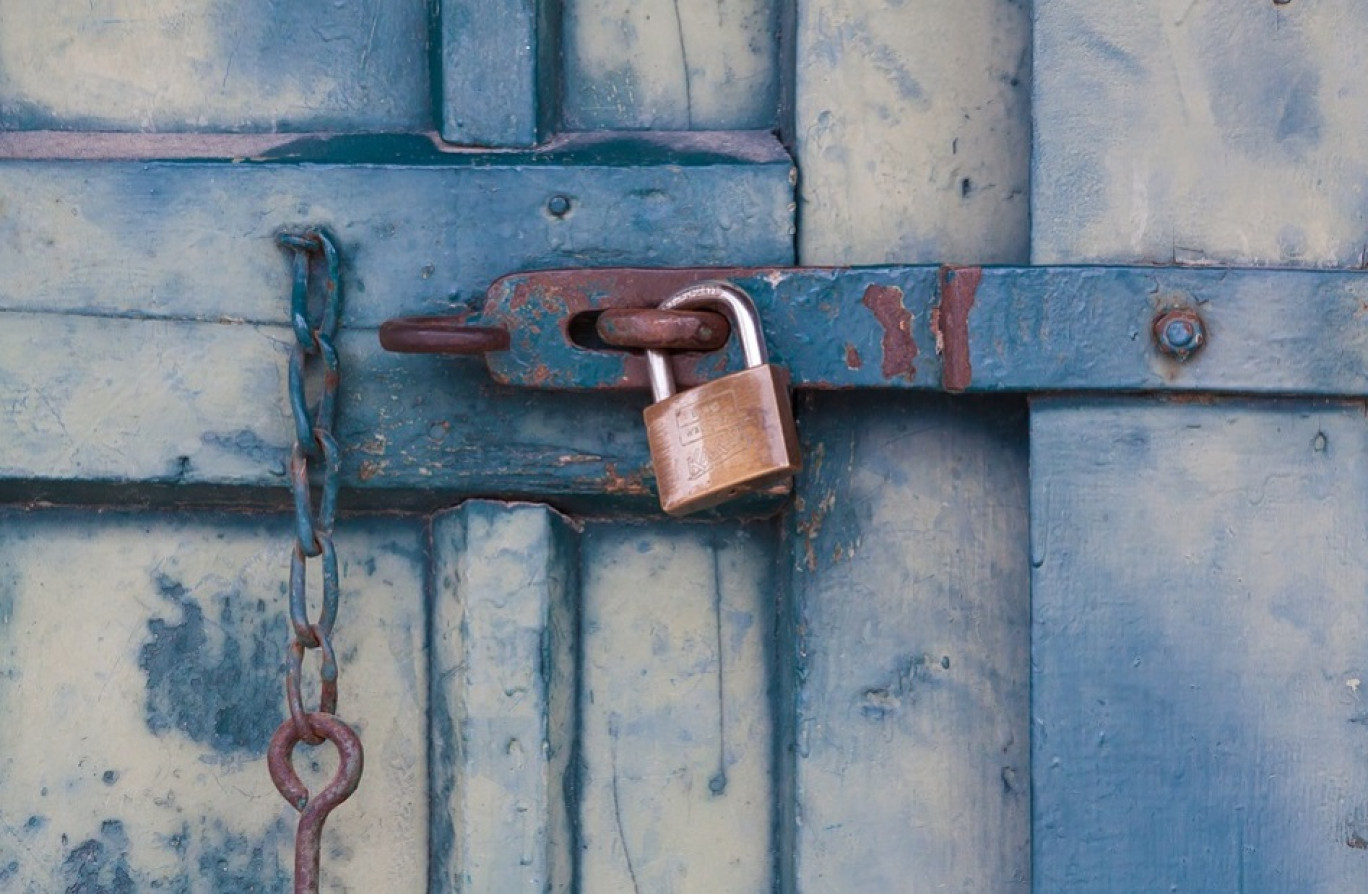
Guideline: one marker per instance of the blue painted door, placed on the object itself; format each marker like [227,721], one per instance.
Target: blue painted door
[989,644]
[1198,619]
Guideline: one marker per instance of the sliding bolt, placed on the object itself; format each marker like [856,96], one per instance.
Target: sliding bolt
[1179,333]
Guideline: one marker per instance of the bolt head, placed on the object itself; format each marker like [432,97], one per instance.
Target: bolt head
[1179,333]
[558,206]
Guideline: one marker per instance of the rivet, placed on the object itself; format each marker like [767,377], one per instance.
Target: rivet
[1179,333]
[558,205]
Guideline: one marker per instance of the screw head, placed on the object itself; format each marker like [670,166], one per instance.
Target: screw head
[558,206]
[1179,333]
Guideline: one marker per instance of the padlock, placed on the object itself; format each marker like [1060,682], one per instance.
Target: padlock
[726,437]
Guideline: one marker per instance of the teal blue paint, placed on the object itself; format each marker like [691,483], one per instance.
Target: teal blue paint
[100,865]
[227,698]
[420,231]
[1030,329]
[500,71]
[905,684]
[1197,659]
[233,863]
[416,238]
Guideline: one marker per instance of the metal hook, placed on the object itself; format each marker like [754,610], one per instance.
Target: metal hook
[313,810]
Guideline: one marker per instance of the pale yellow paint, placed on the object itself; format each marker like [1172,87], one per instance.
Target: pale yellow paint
[84,588]
[899,104]
[664,713]
[1202,133]
[503,637]
[192,64]
[671,64]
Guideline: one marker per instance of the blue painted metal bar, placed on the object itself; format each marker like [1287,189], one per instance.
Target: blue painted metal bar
[972,329]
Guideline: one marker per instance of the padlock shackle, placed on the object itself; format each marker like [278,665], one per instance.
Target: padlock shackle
[721,296]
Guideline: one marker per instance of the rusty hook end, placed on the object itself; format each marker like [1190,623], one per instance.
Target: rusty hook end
[440,335]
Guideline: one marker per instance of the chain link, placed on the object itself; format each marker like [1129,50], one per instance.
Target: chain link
[315,455]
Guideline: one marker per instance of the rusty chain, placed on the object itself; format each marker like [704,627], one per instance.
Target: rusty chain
[315,454]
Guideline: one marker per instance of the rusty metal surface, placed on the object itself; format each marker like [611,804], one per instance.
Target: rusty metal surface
[440,335]
[313,809]
[663,330]
[315,311]
[965,328]
[950,321]
[1179,332]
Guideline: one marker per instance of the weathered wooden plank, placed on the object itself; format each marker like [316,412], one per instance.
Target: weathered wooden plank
[186,403]
[912,131]
[676,782]
[420,230]
[500,71]
[910,690]
[184,65]
[140,681]
[94,397]
[666,64]
[1200,132]
[1198,645]
[504,632]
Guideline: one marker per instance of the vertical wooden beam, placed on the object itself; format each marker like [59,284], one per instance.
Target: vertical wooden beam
[677,782]
[1199,612]
[502,702]
[1199,649]
[1214,132]
[908,766]
[499,71]
[910,612]
[912,131]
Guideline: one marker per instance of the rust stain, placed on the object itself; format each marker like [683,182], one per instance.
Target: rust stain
[632,483]
[899,349]
[853,358]
[950,322]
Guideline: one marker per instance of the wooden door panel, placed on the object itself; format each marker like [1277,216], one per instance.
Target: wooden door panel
[677,790]
[255,65]
[1198,637]
[1199,133]
[142,679]
[907,566]
[602,716]
[664,65]
[504,735]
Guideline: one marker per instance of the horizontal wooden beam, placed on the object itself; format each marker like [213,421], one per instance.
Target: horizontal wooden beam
[143,304]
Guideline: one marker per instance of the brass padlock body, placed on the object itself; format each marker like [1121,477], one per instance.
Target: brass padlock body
[723,438]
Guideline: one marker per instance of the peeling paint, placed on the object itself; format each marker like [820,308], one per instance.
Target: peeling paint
[950,323]
[221,690]
[898,347]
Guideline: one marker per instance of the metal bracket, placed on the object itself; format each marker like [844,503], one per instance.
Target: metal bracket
[1023,329]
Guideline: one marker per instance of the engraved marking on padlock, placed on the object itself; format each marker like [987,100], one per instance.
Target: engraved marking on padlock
[726,437]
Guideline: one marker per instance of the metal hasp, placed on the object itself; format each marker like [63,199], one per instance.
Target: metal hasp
[989,329]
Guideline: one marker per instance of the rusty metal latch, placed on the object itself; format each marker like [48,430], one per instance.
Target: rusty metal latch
[952,329]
